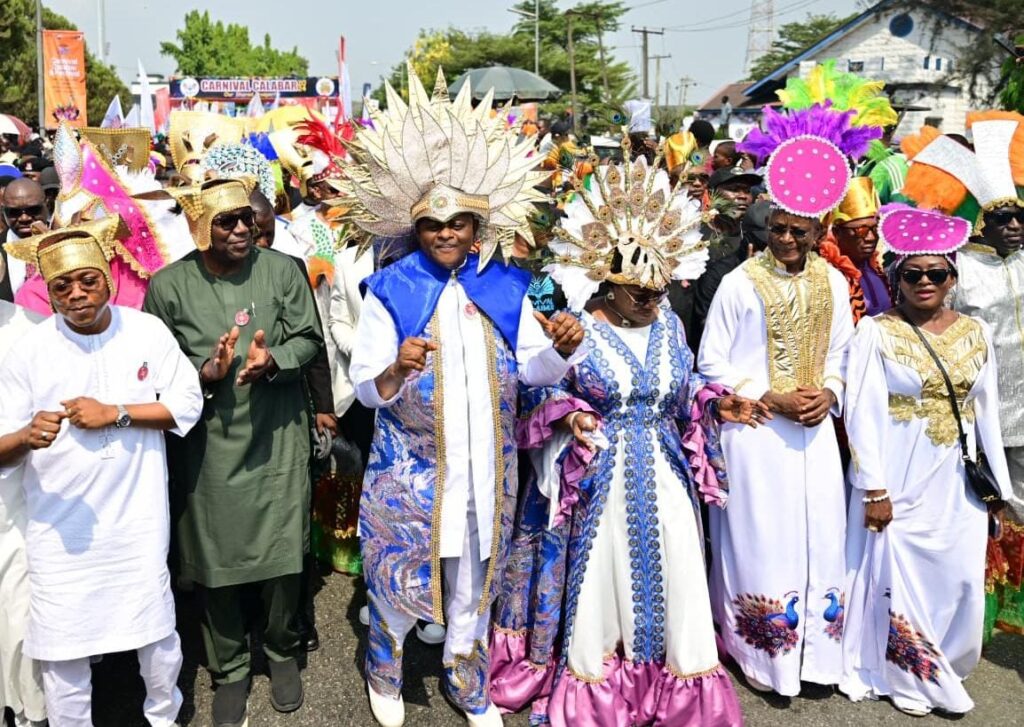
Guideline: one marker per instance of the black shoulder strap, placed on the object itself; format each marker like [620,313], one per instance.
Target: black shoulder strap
[949,386]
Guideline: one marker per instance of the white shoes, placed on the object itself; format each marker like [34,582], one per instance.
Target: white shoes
[431,634]
[364,615]
[756,685]
[490,718]
[387,711]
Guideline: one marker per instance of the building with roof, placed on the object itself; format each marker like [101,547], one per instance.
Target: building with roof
[911,47]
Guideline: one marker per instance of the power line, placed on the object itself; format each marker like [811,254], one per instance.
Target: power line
[699,27]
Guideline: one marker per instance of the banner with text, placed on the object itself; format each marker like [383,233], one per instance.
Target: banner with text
[64,77]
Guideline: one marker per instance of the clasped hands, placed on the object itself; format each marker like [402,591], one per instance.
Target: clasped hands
[258,361]
[806,406]
[82,411]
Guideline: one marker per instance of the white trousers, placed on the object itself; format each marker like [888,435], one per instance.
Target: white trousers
[68,686]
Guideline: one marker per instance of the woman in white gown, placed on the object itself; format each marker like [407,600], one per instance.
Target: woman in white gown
[604,619]
[917,533]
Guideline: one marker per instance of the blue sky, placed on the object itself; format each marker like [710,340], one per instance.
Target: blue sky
[707,41]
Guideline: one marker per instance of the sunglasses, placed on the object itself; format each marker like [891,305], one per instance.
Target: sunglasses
[860,232]
[645,301]
[936,276]
[1006,217]
[798,233]
[229,222]
[14,213]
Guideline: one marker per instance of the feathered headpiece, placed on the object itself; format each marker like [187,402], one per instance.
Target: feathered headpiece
[193,133]
[438,158]
[950,177]
[845,92]
[809,153]
[630,227]
[327,150]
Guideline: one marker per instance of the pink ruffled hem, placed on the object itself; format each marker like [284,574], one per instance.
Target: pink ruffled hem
[645,694]
[694,440]
[536,428]
[515,681]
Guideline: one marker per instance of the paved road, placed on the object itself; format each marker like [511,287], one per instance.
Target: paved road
[335,695]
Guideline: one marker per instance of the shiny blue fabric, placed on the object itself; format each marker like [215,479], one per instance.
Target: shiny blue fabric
[411,287]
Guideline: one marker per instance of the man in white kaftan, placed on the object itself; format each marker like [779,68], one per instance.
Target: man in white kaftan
[776,331]
[85,398]
[21,687]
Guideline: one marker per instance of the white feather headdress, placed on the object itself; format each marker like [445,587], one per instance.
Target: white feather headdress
[630,227]
[434,157]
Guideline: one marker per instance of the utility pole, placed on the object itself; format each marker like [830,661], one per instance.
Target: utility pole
[101,16]
[599,19]
[645,32]
[657,80]
[684,85]
[570,15]
[40,71]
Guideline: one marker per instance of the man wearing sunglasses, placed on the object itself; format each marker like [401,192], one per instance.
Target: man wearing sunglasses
[24,204]
[240,487]
[991,287]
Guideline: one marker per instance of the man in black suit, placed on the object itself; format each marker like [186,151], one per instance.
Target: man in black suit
[24,204]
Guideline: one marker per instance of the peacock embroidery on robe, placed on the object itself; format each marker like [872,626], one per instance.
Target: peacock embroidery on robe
[911,651]
[766,624]
[835,614]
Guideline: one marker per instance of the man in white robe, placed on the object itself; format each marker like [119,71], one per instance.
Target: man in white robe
[778,329]
[85,399]
[21,686]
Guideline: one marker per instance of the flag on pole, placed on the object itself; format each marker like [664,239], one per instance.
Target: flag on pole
[276,103]
[114,118]
[162,113]
[146,114]
[255,108]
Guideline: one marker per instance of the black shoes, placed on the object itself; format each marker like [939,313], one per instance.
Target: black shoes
[285,685]
[229,704]
[310,640]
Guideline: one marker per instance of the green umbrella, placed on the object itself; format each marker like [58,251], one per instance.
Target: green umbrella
[507,83]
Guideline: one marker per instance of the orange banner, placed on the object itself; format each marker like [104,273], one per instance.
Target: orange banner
[64,71]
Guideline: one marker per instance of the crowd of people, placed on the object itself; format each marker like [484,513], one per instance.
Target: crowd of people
[592,420]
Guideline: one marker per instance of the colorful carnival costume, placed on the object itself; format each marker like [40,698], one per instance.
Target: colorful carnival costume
[440,489]
[947,176]
[915,598]
[772,331]
[604,618]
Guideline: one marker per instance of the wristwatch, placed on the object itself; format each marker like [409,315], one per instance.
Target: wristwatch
[124,419]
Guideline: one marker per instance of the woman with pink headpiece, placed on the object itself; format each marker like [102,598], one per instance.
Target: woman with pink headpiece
[917,527]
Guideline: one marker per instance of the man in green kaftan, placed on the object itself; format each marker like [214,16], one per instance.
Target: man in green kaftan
[240,480]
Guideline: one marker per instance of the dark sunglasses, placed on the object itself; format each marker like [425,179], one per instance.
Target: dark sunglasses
[798,233]
[1006,217]
[228,222]
[937,276]
[861,232]
[13,213]
[645,301]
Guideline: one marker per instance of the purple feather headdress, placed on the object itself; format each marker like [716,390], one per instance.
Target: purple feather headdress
[821,121]
[809,153]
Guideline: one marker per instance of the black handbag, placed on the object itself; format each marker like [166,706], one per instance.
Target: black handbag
[978,474]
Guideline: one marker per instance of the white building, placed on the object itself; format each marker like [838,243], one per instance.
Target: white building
[911,48]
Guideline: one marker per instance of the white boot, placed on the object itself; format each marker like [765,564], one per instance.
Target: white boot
[431,634]
[490,718]
[389,712]
[364,615]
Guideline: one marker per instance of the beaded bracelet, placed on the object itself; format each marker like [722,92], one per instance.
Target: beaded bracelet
[873,500]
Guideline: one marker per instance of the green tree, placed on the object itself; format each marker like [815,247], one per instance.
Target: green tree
[18,83]
[1012,94]
[794,38]
[208,48]
[457,51]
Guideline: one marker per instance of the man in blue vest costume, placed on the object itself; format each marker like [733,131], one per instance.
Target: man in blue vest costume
[443,340]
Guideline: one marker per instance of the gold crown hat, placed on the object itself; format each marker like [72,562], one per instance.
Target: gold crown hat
[125,147]
[296,159]
[193,133]
[861,201]
[434,157]
[90,244]
[202,202]
[630,219]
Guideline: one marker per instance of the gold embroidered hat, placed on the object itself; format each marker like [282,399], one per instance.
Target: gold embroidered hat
[193,133]
[630,227]
[202,202]
[861,201]
[434,157]
[126,147]
[89,244]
